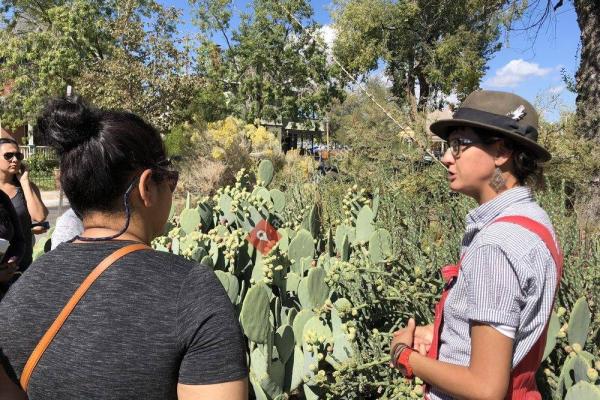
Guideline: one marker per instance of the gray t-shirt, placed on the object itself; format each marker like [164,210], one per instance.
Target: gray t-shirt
[150,321]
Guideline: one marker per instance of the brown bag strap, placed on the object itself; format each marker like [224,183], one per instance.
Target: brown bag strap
[45,341]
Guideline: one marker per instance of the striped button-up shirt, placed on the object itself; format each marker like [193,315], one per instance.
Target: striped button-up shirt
[507,277]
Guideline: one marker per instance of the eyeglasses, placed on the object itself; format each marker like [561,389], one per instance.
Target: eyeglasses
[171,176]
[457,145]
[10,154]
[164,171]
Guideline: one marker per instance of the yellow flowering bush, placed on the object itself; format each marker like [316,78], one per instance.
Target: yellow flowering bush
[226,146]
[225,133]
[231,133]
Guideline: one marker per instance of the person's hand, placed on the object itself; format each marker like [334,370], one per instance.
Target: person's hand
[423,338]
[405,336]
[8,269]
[38,230]
[23,174]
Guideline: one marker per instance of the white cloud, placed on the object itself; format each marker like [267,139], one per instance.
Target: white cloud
[452,98]
[329,34]
[556,90]
[382,77]
[515,72]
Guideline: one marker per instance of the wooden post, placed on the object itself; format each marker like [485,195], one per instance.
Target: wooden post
[60,191]
[327,131]
[283,139]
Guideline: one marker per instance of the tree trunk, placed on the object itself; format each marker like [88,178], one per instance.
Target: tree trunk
[588,93]
[588,75]
[424,92]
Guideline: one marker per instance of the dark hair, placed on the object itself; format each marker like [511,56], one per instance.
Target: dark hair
[100,151]
[526,167]
[9,141]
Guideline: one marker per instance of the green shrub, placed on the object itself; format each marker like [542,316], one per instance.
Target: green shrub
[41,163]
[178,142]
[367,259]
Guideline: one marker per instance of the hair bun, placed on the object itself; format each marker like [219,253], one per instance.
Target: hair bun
[68,122]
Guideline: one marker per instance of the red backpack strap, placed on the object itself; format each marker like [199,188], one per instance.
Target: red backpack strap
[540,230]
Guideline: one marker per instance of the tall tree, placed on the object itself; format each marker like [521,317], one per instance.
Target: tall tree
[587,83]
[44,47]
[588,74]
[430,48]
[149,69]
[533,15]
[271,67]
[122,54]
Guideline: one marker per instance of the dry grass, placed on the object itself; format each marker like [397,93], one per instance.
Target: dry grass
[202,176]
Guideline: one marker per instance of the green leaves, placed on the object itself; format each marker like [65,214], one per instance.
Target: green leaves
[418,41]
[271,68]
[130,47]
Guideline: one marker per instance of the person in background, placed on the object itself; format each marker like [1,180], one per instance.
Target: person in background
[10,230]
[66,228]
[489,331]
[152,326]
[24,194]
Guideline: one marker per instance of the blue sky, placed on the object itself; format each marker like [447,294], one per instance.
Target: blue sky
[528,67]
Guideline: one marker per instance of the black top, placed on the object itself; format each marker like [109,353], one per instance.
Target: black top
[150,321]
[20,205]
[10,228]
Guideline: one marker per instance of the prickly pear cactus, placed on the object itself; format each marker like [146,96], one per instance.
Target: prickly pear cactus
[577,376]
[302,293]
[579,323]
[265,172]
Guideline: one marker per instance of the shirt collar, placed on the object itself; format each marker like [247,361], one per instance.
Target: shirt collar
[487,212]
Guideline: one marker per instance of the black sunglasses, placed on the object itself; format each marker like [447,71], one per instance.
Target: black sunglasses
[10,154]
[171,176]
[164,170]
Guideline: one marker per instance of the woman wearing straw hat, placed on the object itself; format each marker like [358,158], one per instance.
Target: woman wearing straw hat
[490,325]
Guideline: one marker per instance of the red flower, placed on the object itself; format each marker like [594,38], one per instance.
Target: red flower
[263,236]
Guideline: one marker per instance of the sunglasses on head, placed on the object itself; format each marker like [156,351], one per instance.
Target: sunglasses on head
[163,170]
[10,154]
[171,176]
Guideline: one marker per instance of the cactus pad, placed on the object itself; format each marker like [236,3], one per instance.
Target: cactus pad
[583,391]
[340,232]
[265,172]
[553,328]
[317,327]
[317,288]
[255,314]
[230,283]
[206,216]
[345,250]
[189,220]
[301,246]
[364,224]
[298,326]
[284,341]
[380,246]
[579,322]
[278,200]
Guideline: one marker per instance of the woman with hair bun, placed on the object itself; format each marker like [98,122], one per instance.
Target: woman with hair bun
[489,331]
[149,325]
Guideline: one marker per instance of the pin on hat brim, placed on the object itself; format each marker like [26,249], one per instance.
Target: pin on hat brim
[444,127]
